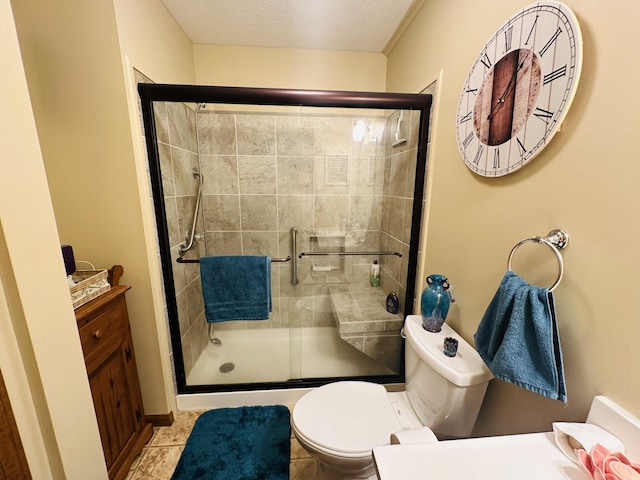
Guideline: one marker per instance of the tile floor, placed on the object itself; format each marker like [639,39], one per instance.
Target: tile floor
[160,456]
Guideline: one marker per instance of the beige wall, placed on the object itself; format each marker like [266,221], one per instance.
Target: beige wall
[583,182]
[76,82]
[40,353]
[82,90]
[289,68]
[586,182]
[153,42]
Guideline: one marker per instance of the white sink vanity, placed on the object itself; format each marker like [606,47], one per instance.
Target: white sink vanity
[532,456]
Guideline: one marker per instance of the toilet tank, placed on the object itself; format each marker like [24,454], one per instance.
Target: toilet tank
[445,392]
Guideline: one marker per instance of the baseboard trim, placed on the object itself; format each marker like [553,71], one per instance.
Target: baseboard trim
[164,420]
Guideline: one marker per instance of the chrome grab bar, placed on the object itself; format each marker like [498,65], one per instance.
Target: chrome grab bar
[190,237]
[309,254]
[197,260]
[294,252]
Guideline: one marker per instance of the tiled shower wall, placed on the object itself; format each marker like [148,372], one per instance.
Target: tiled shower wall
[266,173]
[397,200]
[177,147]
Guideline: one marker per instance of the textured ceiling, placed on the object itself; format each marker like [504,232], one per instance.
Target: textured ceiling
[356,25]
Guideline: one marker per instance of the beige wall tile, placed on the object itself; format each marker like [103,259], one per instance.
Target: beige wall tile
[162,121]
[295,175]
[223,243]
[294,136]
[217,134]
[333,136]
[295,210]
[222,213]
[329,210]
[173,227]
[256,134]
[260,243]
[168,184]
[257,174]
[179,125]
[219,174]
[258,212]
[185,207]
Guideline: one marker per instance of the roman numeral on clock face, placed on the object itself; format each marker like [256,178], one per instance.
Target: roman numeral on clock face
[521,148]
[508,37]
[553,38]
[466,118]
[485,60]
[476,159]
[543,114]
[556,74]
[467,140]
[533,26]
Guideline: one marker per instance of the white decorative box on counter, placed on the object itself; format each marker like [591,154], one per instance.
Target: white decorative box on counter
[89,284]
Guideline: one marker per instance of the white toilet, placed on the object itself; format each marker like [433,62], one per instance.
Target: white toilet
[340,423]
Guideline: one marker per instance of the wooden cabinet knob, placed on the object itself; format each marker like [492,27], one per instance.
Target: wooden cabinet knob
[97,334]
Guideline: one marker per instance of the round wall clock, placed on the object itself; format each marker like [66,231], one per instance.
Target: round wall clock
[519,89]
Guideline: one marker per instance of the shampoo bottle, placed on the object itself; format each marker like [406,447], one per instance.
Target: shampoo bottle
[374,277]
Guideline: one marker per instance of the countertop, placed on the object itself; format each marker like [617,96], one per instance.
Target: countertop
[532,456]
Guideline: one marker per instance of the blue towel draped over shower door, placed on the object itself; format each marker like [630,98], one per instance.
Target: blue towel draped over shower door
[518,338]
[236,287]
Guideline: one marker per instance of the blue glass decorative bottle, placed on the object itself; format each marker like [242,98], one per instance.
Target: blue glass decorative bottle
[435,302]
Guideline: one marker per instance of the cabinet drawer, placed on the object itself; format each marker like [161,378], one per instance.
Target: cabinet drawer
[104,332]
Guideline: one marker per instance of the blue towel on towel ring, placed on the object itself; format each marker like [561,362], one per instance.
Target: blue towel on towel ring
[236,287]
[518,338]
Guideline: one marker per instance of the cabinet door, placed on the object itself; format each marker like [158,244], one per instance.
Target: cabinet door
[112,401]
[108,352]
[13,462]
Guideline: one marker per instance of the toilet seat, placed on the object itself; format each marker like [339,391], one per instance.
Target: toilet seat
[347,418]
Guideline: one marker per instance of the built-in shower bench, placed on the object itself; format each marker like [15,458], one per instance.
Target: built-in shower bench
[364,323]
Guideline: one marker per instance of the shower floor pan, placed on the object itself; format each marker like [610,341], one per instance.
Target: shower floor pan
[278,355]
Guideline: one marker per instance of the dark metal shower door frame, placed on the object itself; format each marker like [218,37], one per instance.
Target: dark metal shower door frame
[150,92]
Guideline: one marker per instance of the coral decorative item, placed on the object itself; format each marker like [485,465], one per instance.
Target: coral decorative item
[601,464]
[435,302]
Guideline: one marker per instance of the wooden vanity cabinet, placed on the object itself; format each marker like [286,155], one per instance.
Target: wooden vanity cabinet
[103,324]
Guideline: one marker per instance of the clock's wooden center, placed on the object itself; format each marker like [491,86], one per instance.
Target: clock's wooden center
[507,96]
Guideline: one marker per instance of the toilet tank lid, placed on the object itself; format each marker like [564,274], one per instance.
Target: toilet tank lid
[465,369]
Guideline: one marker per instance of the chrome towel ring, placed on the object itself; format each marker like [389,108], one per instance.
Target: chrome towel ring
[556,240]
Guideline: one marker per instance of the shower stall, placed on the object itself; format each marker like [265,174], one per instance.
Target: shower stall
[322,182]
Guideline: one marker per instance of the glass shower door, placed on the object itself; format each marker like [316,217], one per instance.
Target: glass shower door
[326,190]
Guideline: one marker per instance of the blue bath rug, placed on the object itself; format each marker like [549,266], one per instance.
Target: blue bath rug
[245,443]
